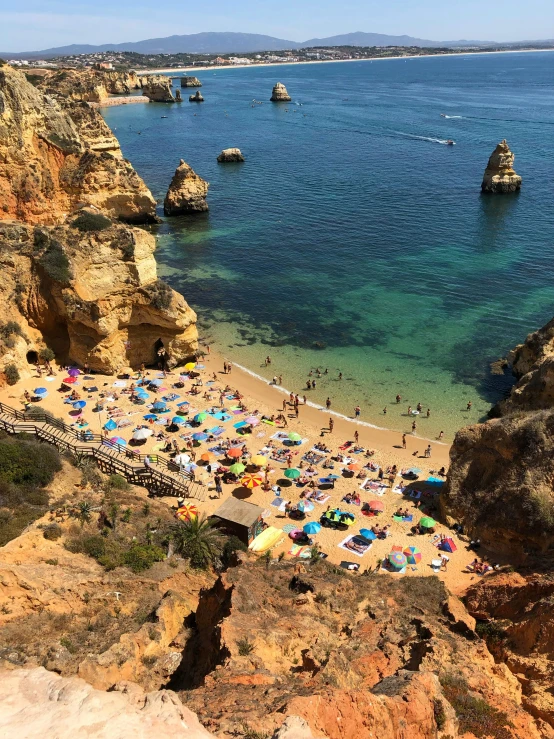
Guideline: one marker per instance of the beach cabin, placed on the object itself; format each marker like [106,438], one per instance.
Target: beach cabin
[240,518]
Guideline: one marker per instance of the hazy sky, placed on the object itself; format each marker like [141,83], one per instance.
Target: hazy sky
[27,26]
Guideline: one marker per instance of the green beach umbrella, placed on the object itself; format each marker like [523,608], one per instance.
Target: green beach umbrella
[292,474]
[237,468]
[199,417]
[293,436]
[427,522]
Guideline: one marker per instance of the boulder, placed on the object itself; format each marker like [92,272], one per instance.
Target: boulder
[280,94]
[190,81]
[157,88]
[196,98]
[187,192]
[230,155]
[500,175]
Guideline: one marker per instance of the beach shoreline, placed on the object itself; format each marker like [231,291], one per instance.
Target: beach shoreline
[191,68]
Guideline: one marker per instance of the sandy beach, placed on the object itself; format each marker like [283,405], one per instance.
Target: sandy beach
[192,68]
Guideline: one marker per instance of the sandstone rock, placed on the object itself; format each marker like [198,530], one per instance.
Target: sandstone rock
[187,192]
[230,155]
[178,98]
[499,174]
[294,727]
[189,81]
[88,85]
[40,703]
[459,619]
[196,98]
[157,88]
[280,94]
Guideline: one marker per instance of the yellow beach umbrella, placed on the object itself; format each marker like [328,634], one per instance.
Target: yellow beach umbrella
[259,460]
[187,512]
[190,365]
[251,481]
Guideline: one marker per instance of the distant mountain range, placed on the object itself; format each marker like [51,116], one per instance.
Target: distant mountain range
[225,43]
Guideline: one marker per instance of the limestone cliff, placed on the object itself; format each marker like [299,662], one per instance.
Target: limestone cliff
[189,81]
[187,192]
[280,94]
[500,176]
[54,157]
[157,88]
[88,85]
[89,289]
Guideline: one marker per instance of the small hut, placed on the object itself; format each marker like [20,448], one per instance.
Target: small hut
[240,518]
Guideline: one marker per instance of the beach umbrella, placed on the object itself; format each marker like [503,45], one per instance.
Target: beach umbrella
[157,383]
[348,519]
[368,534]
[69,380]
[110,425]
[292,473]
[142,434]
[187,512]
[190,365]
[73,372]
[182,459]
[413,555]
[427,522]
[199,417]
[207,457]
[79,404]
[305,506]
[293,436]
[354,467]
[118,440]
[252,420]
[150,417]
[200,436]
[259,460]
[178,420]
[160,405]
[397,560]
[251,481]
[235,453]
[237,468]
[40,391]
[141,393]
[313,527]
[376,505]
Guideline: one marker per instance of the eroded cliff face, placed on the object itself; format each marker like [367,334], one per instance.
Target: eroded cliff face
[92,295]
[157,88]
[88,85]
[500,176]
[56,153]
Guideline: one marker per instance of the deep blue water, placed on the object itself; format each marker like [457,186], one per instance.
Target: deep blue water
[352,238]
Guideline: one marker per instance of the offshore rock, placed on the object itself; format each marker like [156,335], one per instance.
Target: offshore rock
[280,94]
[500,175]
[178,98]
[190,82]
[157,88]
[230,155]
[196,98]
[187,192]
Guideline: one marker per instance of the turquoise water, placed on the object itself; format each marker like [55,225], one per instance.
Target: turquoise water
[353,238]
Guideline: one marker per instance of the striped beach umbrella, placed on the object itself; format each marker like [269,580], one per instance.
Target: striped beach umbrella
[251,481]
[187,512]
[397,560]
[413,555]
[118,440]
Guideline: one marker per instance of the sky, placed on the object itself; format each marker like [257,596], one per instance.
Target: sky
[28,27]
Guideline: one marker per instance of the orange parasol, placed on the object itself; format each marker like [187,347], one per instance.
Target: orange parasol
[207,457]
[234,453]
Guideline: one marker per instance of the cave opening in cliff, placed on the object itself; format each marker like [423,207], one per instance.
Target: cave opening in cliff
[32,357]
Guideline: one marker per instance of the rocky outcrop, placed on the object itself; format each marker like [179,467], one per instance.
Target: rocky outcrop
[55,156]
[500,176]
[230,155]
[40,703]
[89,289]
[280,94]
[500,483]
[196,98]
[87,85]
[187,192]
[157,88]
[178,98]
[189,81]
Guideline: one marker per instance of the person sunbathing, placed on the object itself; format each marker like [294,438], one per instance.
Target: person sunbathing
[319,496]
[356,500]
[370,452]
[347,498]
[358,548]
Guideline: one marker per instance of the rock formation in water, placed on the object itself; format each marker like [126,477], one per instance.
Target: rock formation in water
[280,94]
[57,153]
[157,88]
[230,155]
[196,98]
[500,175]
[90,291]
[187,192]
[178,98]
[189,81]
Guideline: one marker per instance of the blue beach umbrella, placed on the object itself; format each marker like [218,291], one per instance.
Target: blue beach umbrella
[178,420]
[110,425]
[79,404]
[368,534]
[41,391]
[313,527]
[200,436]
[159,405]
[150,417]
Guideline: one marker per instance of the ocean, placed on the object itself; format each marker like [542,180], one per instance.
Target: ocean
[353,238]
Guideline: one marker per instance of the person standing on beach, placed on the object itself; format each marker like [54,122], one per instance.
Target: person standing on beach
[331,425]
[428,412]
[340,375]
[385,411]
[409,410]
[229,367]
[280,378]
[441,434]
[468,408]
[356,436]
[305,399]
[414,425]
[296,410]
[357,411]
[403,441]
[428,451]
[328,403]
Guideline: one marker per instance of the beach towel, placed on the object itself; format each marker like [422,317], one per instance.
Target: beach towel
[236,413]
[269,423]
[322,501]
[399,519]
[434,481]
[120,383]
[240,425]
[313,457]
[351,551]
[182,403]
[398,490]
[217,450]
[171,397]
[124,422]
[280,435]
[221,416]
[298,551]
[415,494]
[345,446]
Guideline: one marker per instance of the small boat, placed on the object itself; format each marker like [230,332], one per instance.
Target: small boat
[449,142]
[163,116]
[443,115]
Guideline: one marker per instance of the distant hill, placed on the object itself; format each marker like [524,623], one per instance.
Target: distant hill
[225,43]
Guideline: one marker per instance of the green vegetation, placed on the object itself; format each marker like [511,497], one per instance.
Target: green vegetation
[112,551]
[11,374]
[197,541]
[56,264]
[474,714]
[160,294]
[245,647]
[87,221]
[228,553]
[118,482]
[46,354]
[141,557]
[8,331]
[52,532]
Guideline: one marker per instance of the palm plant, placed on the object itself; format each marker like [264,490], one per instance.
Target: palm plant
[198,541]
[83,512]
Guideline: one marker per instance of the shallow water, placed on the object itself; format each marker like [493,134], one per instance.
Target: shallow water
[353,238]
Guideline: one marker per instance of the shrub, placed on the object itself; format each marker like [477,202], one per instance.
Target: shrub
[10,328]
[245,647]
[56,264]
[12,374]
[439,713]
[93,545]
[46,354]
[230,548]
[141,557]
[52,562]
[87,221]
[118,482]
[474,714]
[28,462]
[52,532]
[160,294]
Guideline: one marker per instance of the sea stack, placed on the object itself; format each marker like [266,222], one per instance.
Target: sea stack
[500,175]
[157,88]
[178,98]
[197,98]
[190,82]
[230,155]
[280,94]
[187,192]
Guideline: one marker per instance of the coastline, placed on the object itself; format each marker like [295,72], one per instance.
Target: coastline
[191,68]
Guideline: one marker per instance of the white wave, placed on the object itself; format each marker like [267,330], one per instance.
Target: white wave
[422,138]
[452,116]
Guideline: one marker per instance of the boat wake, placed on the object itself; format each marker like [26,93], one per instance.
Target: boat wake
[423,138]
[443,115]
